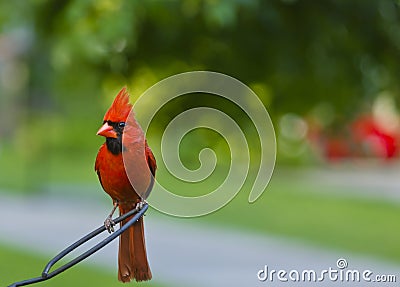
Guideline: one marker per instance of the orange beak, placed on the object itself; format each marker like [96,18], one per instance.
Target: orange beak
[107,131]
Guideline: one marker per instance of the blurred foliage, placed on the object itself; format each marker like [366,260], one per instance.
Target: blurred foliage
[61,62]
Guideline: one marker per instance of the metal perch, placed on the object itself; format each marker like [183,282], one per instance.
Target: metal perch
[46,274]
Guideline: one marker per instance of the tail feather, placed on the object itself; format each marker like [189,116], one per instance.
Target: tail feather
[132,257]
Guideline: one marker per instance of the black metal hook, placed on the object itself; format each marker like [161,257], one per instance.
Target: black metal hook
[46,274]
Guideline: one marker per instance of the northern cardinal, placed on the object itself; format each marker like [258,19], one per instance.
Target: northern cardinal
[124,153]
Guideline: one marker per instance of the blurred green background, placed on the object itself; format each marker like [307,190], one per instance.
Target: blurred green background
[327,71]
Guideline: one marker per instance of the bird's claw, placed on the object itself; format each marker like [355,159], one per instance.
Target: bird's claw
[140,205]
[109,224]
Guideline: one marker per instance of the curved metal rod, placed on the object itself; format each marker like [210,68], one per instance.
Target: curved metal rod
[46,274]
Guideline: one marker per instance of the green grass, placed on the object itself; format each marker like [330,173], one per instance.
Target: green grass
[17,265]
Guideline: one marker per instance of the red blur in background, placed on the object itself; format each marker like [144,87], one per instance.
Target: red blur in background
[364,137]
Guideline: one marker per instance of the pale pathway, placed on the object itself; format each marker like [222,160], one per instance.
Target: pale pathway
[181,252]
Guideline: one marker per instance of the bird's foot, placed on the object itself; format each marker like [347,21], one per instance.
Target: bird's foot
[140,205]
[109,224]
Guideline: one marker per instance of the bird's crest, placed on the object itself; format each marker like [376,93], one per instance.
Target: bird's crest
[120,108]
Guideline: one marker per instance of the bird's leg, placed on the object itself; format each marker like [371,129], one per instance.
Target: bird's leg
[109,223]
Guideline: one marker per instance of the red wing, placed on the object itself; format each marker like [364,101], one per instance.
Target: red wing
[151,160]
[97,164]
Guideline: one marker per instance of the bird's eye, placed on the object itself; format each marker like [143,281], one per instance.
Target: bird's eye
[121,124]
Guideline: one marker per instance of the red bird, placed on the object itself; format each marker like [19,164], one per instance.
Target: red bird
[124,153]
